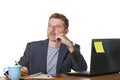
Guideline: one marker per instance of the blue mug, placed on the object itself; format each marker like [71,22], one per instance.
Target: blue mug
[14,72]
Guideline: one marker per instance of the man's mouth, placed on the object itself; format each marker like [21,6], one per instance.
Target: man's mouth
[51,33]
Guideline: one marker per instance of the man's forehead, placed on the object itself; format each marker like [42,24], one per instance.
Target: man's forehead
[56,21]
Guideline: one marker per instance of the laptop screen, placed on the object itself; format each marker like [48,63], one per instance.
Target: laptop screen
[105,56]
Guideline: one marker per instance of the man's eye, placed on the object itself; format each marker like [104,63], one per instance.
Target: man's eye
[58,26]
[49,25]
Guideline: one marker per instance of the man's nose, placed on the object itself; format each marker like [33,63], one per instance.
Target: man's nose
[53,28]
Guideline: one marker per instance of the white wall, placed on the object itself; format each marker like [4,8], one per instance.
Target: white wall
[22,21]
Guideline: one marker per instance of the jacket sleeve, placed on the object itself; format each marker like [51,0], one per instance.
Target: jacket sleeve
[78,61]
[24,60]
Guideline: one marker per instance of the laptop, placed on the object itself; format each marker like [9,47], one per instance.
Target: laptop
[105,58]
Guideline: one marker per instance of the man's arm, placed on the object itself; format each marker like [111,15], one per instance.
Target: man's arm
[79,63]
[24,61]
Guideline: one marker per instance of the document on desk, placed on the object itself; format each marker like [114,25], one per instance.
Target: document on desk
[38,76]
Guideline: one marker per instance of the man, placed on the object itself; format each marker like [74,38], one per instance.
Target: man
[55,55]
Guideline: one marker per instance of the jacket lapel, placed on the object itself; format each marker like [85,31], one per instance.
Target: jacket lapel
[62,52]
[44,54]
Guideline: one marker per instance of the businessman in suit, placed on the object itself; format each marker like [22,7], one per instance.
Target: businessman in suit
[55,55]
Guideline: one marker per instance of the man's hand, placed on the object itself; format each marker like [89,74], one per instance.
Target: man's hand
[65,40]
[24,71]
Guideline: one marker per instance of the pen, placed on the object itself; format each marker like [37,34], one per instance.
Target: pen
[16,63]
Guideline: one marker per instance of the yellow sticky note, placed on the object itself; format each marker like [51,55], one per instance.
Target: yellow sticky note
[99,47]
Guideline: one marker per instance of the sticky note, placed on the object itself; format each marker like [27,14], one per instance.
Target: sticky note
[99,47]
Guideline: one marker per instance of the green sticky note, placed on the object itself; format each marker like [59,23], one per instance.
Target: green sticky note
[99,47]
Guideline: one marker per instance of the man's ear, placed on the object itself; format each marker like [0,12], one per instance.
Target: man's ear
[66,31]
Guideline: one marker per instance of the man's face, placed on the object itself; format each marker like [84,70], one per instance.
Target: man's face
[55,26]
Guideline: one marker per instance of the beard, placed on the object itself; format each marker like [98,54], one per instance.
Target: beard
[51,37]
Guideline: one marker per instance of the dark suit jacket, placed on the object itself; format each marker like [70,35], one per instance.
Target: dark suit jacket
[35,57]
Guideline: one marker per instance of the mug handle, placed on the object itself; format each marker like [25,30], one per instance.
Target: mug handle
[5,71]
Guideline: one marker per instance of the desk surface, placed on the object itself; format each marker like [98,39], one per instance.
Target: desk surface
[65,77]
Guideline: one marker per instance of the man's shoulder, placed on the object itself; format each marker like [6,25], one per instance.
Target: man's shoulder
[38,42]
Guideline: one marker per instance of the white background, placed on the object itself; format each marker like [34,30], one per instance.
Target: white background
[23,21]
